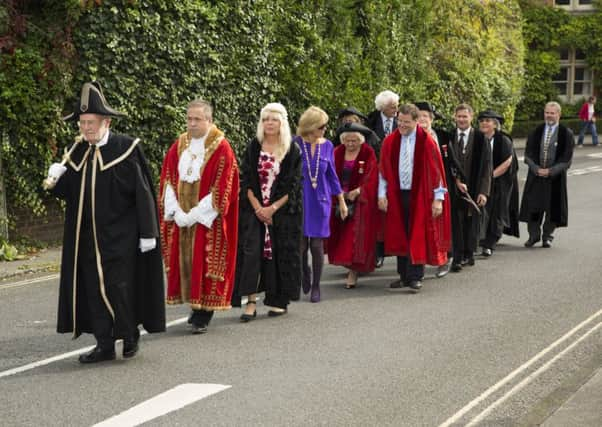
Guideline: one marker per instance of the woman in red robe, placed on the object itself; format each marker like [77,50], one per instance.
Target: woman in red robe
[352,241]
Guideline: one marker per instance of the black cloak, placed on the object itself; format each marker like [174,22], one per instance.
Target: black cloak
[125,210]
[286,230]
[548,194]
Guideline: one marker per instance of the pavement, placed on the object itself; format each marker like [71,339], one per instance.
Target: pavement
[43,261]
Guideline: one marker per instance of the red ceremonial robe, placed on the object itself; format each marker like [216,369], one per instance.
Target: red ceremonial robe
[352,242]
[430,238]
[212,264]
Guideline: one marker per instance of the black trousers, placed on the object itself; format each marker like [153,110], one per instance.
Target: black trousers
[407,271]
[536,231]
[465,235]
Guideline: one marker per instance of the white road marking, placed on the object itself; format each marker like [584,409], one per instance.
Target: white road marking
[585,171]
[29,281]
[529,378]
[595,156]
[458,415]
[74,353]
[162,404]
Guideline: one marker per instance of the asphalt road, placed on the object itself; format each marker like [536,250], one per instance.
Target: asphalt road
[476,345]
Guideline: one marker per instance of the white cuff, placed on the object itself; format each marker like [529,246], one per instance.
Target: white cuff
[146,245]
[204,213]
[170,202]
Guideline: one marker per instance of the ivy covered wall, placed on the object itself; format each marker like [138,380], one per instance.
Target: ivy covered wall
[153,56]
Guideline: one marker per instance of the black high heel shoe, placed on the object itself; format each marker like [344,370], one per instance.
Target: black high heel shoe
[244,318]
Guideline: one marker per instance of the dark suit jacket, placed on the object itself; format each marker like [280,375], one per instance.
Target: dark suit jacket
[375,123]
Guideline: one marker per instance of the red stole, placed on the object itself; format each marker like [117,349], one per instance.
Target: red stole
[352,242]
[214,249]
[430,237]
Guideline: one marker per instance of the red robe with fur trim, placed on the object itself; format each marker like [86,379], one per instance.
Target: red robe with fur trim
[352,242]
[200,262]
[430,238]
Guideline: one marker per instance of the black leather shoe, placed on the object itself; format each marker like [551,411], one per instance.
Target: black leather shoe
[380,261]
[455,267]
[415,285]
[546,243]
[468,261]
[529,243]
[276,313]
[245,318]
[397,285]
[487,252]
[130,348]
[198,329]
[190,317]
[97,355]
[442,271]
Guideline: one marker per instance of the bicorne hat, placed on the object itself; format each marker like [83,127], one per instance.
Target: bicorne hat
[92,101]
[349,111]
[490,114]
[427,106]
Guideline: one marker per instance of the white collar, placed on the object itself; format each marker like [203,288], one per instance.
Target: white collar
[103,141]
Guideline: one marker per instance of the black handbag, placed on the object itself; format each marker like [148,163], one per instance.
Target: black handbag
[350,210]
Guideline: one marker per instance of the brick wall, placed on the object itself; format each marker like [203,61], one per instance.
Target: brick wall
[47,228]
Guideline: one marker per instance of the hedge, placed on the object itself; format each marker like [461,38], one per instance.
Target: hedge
[153,56]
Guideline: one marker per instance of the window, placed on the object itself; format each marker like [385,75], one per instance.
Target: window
[575,5]
[574,79]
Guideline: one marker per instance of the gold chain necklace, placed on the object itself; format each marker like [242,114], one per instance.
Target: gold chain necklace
[313,179]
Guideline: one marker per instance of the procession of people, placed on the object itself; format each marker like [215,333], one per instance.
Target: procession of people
[219,232]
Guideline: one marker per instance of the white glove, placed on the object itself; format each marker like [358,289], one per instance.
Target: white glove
[146,245]
[170,203]
[56,170]
[183,219]
[204,213]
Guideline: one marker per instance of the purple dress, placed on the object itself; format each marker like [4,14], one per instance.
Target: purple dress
[317,201]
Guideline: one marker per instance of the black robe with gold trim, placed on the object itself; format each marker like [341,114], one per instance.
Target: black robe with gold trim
[122,209]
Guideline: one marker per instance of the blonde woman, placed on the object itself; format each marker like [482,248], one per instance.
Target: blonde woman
[320,184]
[271,209]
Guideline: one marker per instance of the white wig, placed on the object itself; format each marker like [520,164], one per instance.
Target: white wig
[277,110]
[359,135]
[384,98]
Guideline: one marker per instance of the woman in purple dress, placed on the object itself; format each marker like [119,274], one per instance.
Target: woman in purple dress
[320,184]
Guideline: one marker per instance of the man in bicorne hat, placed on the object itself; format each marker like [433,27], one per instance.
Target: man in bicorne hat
[111,268]
[199,217]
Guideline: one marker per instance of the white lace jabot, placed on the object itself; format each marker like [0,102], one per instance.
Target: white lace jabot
[191,160]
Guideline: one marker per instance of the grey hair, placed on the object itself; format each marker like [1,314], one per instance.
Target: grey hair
[204,105]
[360,136]
[554,104]
[384,98]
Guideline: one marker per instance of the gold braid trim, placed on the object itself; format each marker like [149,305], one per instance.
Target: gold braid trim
[215,271]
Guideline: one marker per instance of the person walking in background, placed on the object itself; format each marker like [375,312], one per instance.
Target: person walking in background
[320,184]
[412,191]
[352,240]
[111,267]
[548,153]
[471,168]
[496,216]
[199,217]
[587,115]
[383,121]
[271,216]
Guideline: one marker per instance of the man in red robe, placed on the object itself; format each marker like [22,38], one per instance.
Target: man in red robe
[412,191]
[198,207]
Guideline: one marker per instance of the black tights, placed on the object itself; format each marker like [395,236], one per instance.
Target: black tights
[316,246]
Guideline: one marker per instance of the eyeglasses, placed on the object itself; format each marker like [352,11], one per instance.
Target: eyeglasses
[324,126]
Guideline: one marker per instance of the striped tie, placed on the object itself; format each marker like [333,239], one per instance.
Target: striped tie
[405,177]
[546,146]
[387,126]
